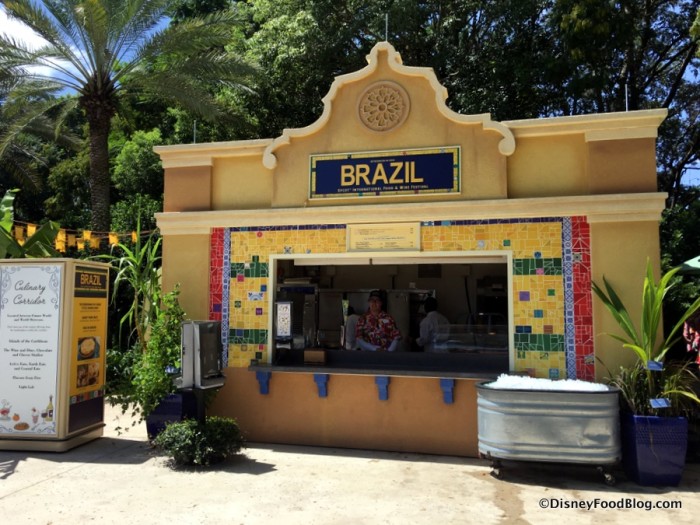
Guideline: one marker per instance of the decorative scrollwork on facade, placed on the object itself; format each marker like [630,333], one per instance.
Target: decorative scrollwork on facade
[383,106]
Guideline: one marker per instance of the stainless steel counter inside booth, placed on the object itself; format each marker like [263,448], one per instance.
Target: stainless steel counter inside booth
[318,314]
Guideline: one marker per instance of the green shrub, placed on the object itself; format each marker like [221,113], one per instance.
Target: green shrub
[120,370]
[190,442]
[151,381]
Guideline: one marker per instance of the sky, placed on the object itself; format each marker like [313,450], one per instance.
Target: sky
[21,32]
[17,30]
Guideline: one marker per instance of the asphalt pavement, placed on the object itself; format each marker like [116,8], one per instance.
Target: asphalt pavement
[120,479]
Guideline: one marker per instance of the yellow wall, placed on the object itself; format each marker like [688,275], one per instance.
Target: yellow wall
[241,183]
[187,189]
[622,166]
[186,262]
[620,249]
[548,166]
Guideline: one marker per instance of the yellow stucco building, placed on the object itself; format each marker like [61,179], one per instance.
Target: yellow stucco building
[505,223]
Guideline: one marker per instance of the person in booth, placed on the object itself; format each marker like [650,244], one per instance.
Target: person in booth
[350,325]
[430,326]
[376,330]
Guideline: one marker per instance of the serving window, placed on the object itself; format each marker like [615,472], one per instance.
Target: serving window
[313,294]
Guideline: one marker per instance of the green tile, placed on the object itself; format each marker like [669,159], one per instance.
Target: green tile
[539,343]
[550,266]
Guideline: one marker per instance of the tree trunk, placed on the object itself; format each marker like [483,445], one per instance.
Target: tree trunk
[99,122]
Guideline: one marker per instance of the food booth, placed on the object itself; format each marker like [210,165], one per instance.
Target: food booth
[504,223]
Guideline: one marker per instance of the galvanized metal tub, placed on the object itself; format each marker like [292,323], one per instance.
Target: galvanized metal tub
[549,425]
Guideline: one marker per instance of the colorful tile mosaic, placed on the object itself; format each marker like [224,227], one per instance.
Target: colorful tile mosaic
[216,253]
[583,299]
[218,282]
[552,310]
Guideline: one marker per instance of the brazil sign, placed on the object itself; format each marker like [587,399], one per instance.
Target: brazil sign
[385,173]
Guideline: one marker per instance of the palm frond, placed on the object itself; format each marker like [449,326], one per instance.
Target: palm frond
[134,19]
[55,23]
[28,111]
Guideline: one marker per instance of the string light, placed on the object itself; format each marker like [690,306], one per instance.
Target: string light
[79,239]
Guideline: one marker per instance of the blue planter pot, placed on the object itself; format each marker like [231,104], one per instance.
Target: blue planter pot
[654,449]
[175,407]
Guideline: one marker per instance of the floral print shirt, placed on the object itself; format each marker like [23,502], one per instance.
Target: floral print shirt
[379,330]
[691,334]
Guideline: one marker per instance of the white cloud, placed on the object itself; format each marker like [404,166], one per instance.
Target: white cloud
[25,35]
[19,31]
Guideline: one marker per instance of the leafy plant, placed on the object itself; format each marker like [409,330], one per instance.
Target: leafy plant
[152,380]
[39,244]
[121,365]
[675,382]
[155,319]
[138,268]
[650,377]
[190,442]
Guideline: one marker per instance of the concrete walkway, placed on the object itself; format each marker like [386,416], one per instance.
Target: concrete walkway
[118,479]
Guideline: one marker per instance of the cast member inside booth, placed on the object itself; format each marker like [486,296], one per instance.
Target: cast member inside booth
[349,331]
[376,330]
[432,328]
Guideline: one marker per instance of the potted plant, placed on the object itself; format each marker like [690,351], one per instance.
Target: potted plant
[657,395]
[154,390]
[154,317]
[149,391]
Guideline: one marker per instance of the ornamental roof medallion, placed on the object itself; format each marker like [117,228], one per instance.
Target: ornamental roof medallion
[383,106]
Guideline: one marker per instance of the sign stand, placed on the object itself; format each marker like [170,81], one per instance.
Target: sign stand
[53,337]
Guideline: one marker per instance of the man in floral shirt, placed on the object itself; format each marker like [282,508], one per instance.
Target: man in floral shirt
[376,330]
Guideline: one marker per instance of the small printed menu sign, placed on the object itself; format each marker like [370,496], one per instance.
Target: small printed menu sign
[30,324]
[383,237]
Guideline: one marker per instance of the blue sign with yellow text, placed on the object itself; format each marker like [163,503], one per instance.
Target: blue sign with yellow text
[385,173]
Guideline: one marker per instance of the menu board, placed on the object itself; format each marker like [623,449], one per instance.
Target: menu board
[30,323]
[89,333]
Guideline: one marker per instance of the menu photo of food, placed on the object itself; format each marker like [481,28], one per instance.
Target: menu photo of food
[15,420]
[88,375]
[88,348]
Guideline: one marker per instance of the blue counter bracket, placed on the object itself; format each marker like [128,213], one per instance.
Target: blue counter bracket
[264,381]
[383,386]
[447,386]
[321,381]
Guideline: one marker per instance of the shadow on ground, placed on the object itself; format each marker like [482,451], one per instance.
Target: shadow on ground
[104,450]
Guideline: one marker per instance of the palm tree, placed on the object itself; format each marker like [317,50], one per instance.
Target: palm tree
[99,52]
[21,154]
